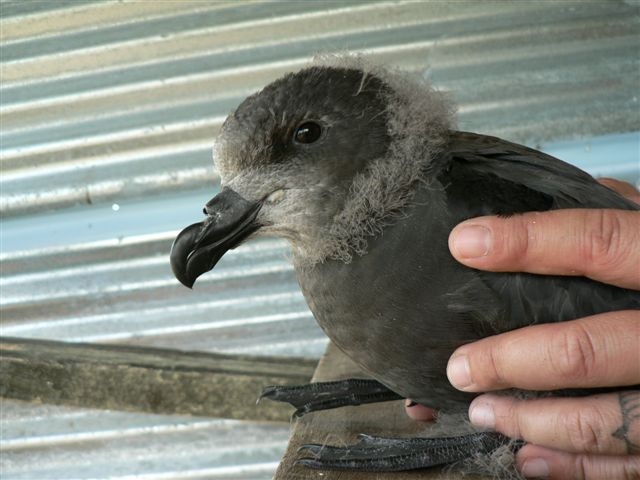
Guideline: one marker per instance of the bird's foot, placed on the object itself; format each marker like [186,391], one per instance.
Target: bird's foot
[326,395]
[378,454]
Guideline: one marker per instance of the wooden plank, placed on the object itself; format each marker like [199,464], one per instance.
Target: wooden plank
[342,425]
[146,379]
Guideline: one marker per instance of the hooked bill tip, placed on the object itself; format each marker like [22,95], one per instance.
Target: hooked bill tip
[187,282]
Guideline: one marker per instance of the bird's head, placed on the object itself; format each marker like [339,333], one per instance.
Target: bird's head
[296,160]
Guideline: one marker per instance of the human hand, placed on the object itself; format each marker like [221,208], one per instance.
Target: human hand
[593,437]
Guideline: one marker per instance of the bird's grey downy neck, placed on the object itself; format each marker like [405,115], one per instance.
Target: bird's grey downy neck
[419,121]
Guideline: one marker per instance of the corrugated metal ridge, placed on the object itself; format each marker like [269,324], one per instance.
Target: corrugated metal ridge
[209,20]
[18,9]
[40,19]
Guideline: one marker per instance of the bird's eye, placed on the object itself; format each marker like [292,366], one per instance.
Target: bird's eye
[308,132]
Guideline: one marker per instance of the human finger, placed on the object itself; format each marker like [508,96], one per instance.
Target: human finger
[605,424]
[597,351]
[623,188]
[601,244]
[534,461]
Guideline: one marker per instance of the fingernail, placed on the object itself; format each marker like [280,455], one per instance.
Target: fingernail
[482,415]
[535,468]
[459,372]
[472,241]
[409,403]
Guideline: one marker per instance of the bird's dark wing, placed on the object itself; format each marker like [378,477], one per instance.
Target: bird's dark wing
[565,186]
[489,176]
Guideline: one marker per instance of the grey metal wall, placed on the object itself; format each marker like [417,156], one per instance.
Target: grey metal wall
[108,112]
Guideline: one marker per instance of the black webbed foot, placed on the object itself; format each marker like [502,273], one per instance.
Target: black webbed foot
[378,454]
[326,395]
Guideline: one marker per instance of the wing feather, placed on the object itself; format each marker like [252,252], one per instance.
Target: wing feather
[490,176]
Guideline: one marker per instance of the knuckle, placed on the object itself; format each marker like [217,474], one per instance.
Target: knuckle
[573,353]
[590,467]
[495,376]
[585,429]
[580,467]
[604,244]
[513,240]
[524,240]
[513,422]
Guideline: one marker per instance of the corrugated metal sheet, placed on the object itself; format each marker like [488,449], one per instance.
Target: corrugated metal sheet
[47,442]
[108,111]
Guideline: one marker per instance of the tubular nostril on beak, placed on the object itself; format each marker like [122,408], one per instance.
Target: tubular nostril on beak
[210,210]
[213,206]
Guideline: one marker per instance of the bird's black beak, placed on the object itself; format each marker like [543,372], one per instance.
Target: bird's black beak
[197,248]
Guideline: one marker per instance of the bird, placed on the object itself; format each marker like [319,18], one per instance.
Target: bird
[361,168]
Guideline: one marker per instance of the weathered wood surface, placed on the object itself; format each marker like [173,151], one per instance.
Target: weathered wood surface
[145,379]
[342,425]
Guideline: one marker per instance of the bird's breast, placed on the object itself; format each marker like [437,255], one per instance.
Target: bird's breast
[388,309]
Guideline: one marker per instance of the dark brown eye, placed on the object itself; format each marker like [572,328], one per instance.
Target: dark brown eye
[308,132]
